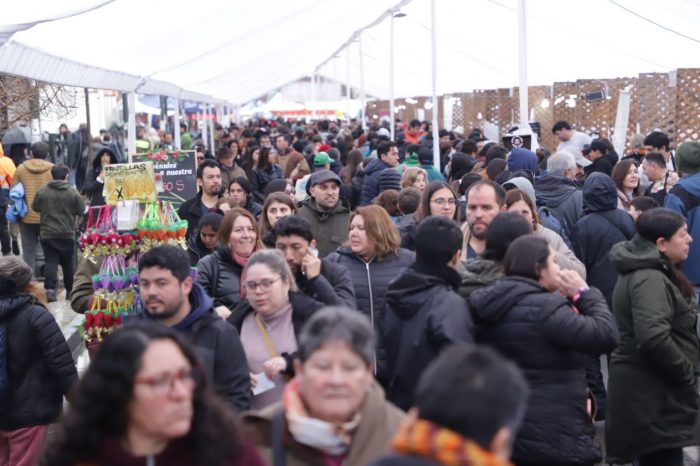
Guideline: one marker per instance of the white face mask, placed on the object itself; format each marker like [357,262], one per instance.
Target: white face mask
[322,435]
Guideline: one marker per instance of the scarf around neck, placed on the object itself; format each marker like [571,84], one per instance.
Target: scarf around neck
[331,439]
[425,439]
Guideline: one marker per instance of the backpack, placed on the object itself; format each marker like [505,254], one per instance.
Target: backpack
[554,223]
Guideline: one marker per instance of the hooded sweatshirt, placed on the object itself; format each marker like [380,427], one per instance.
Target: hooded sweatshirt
[60,205]
[691,211]
[33,174]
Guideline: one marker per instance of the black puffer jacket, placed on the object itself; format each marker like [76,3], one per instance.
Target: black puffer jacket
[333,286]
[261,178]
[560,195]
[543,334]
[424,315]
[371,280]
[372,183]
[603,226]
[220,277]
[39,364]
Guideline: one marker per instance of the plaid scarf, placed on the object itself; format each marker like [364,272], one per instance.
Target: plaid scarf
[428,440]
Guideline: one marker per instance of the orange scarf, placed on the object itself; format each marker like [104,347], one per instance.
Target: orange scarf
[428,440]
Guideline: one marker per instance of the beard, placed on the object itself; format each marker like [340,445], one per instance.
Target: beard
[167,310]
[480,234]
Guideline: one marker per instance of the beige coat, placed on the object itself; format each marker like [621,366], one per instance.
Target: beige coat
[380,420]
[33,174]
[564,256]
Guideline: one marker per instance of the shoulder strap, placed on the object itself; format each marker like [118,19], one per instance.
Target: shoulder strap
[689,201]
[266,337]
[279,456]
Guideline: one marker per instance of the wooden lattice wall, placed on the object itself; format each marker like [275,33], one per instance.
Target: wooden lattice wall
[669,102]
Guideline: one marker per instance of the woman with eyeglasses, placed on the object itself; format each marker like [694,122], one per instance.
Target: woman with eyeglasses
[144,401]
[277,205]
[269,321]
[374,258]
[438,199]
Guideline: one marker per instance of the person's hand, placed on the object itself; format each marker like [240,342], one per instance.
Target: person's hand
[274,366]
[224,207]
[101,177]
[570,282]
[222,311]
[311,266]
[253,380]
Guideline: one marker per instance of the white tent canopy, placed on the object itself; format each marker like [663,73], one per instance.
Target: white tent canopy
[224,51]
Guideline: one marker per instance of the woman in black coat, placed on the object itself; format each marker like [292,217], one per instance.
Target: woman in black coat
[36,365]
[548,336]
[373,258]
[94,185]
[265,171]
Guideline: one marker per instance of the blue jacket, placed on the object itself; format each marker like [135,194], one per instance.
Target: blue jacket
[371,187]
[691,211]
[18,204]
[433,173]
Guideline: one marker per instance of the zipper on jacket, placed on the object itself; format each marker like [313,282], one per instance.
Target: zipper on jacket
[371,310]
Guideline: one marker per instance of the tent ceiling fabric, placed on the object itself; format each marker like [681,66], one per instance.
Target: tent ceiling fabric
[236,51]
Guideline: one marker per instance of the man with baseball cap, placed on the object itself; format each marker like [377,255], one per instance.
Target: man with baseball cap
[326,211]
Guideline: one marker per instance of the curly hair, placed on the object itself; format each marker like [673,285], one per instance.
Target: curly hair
[99,403]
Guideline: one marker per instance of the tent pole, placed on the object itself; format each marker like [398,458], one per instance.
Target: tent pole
[212,133]
[363,97]
[176,123]
[205,129]
[91,155]
[347,85]
[436,130]
[131,125]
[522,43]
[313,95]
[391,78]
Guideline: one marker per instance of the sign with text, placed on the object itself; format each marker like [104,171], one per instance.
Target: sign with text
[129,181]
[176,177]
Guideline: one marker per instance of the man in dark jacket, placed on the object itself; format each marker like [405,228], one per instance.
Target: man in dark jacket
[603,226]
[597,152]
[387,157]
[61,208]
[170,296]
[209,182]
[318,278]
[469,404]
[558,192]
[326,211]
[424,313]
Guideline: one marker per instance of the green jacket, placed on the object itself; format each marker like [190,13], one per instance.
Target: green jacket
[330,227]
[477,274]
[652,391]
[60,206]
[185,141]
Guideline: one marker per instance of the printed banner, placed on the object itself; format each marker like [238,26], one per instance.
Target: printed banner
[129,181]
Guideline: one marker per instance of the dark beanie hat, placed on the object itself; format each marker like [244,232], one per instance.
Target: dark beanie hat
[688,157]
[522,159]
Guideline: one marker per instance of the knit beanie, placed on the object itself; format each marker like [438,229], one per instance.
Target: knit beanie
[522,159]
[688,157]
[15,275]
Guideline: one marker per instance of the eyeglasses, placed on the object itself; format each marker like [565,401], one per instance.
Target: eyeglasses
[164,384]
[441,201]
[265,285]
[288,191]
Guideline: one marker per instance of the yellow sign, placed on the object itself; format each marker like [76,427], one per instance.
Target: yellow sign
[129,181]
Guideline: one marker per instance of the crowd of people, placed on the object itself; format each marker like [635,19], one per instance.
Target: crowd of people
[338,293]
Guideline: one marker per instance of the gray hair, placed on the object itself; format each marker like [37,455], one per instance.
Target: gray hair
[559,162]
[15,275]
[337,324]
[276,262]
